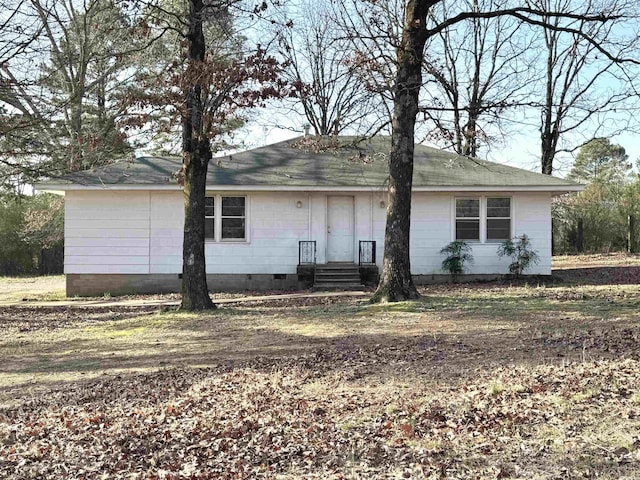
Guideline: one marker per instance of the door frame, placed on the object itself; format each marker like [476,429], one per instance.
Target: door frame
[351,234]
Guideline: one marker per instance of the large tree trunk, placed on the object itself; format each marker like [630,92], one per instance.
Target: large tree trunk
[396,283]
[196,155]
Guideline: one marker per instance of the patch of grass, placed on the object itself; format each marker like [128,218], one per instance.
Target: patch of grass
[496,388]
[414,306]
[36,288]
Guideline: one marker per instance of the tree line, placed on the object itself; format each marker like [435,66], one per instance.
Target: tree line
[31,234]
[603,217]
[83,82]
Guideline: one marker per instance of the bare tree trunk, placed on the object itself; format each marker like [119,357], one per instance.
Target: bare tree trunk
[631,233]
[396,283]
[549,141]
[197,153]
[549,134]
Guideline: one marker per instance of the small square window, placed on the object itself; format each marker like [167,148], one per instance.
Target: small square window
[468,207]
[467,229]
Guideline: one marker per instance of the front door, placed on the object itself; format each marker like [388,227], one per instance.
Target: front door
[339,229]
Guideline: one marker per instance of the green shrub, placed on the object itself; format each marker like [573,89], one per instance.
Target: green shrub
[521,253]
[458,253]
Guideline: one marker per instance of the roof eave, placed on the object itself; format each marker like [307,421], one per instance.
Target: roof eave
[555,189]
[63,187]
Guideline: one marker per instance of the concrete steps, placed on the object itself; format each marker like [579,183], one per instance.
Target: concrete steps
[337,276]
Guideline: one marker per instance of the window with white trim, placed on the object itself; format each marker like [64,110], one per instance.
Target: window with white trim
[498,219]
[225,218]
[483,219]
[468,219]
[210,217]
[233,218]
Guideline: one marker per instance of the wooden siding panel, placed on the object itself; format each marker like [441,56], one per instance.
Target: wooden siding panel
[533,217]
[88,223]
[430,231]
[96,260]
[107,269]
[105,242]
[106,232]
[275,225]
[141,232]
[166,232]
[99,212]
[111,251]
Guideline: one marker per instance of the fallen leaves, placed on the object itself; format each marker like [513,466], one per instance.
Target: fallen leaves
[268,422]
[474,382]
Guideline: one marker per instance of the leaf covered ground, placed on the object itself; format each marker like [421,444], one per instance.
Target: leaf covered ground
[480,381]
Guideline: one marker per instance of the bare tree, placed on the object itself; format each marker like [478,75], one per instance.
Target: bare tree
[588,86]
[321,72]
[476,72]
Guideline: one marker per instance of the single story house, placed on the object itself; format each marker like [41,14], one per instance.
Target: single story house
[302,202]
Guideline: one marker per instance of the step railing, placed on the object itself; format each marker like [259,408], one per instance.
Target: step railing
[307,252]
[367,252]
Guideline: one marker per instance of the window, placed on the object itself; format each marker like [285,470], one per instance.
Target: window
[233,218]
[498,219]
[210,217]
[468,219]
[483,219]
[225,218]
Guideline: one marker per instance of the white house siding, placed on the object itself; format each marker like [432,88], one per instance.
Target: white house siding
[274,222]
[166,230]
[275,225]
[432,227]
[140,232]
[430,231]
[106,232]
[533,217]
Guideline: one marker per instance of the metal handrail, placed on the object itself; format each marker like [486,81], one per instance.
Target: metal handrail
[307,252]
[367,252]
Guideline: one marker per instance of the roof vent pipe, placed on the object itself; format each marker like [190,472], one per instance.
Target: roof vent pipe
[306,127]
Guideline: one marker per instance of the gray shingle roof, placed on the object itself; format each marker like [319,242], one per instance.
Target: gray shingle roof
[309,162]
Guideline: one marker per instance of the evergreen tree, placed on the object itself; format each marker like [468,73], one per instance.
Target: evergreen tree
[599,160]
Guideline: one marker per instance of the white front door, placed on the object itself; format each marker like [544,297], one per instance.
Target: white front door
[339,229]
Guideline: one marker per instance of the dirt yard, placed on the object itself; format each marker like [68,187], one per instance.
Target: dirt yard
[478,381]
